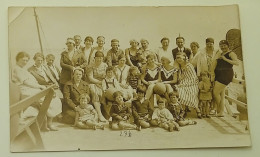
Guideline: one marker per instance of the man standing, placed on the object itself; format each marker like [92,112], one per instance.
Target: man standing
[180,41]
[77,40]
[144,51]
[113,53]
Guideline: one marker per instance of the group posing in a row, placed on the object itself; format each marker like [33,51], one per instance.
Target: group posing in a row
[134,88]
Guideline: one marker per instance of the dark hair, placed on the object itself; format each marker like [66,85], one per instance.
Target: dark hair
[110,68]
[160,100]
[204,73]
[117,93]
[165,38]
[150,56]
[121,56]
[89,38]
[141,89]
[21,55]
[174,93]
[180,38]
[99,54]
[50,55]
[78,69]
[224,42]
[114,40]
[38,54]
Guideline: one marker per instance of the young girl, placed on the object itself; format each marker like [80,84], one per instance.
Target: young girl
[86,115]
[205,95]
[177,110]
[142,110]
[163,118]
[120,113]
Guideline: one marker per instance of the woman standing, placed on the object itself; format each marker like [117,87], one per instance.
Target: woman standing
[96,74]
[223,68]
[70,59]
[194,46]
[188,83]
[131,53]
[88,50]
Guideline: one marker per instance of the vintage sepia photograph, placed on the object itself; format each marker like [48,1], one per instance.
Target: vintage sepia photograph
[126,78]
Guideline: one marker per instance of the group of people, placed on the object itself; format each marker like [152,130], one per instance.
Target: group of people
[132,89]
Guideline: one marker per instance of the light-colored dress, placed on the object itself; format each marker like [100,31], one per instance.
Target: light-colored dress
[188,87]
[99,73]
[87,113]
[19,75]
[163,115]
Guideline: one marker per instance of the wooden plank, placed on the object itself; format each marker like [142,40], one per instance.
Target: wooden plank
[237,81]
[17,107]
[36,130]
[236,101]
[30,134]
[44,107]
[25,124]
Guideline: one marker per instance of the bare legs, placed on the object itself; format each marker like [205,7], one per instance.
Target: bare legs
[218,93]
[97,106]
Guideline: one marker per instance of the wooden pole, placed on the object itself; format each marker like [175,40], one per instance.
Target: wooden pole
[39,35]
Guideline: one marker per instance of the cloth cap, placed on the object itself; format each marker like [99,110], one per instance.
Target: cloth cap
[211,40]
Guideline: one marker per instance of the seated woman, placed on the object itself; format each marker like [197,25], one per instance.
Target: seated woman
[223,73]
[121,73]
[131,53]
[29,86]
[169,75]
[72,91]
[96,73]
[150,75]
[188,83]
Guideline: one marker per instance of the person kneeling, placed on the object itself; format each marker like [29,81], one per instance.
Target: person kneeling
[86,115]
[120,113]
[163,118]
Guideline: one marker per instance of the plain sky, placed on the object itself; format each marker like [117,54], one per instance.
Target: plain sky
[124,23]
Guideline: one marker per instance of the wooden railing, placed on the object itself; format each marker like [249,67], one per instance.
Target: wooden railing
[32,125]
[232,104]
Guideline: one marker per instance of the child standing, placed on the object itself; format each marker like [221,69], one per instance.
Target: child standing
[163,118]
[142,110]
[120,113]
[205,94]
[86,115]
[177,110]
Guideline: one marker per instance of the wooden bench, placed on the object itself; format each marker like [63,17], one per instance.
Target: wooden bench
[31,126]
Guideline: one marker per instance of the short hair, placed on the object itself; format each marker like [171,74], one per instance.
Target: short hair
[132,68]
[180,38]
[116,94]
[84,95]
[195,43]
[21,55]
[121,56]
[165,38]
[150,56]
[110,68]
[224,42]
[49,56]
[75,36]
[99,54]
[174,93]
[161,100]
[182,54]
[211,40]
[70,40]
[101,37]
[132,41]
[78,69]
[114,40]
[38,54]
[89,38]
[141,89]
[204,73]
[144,40]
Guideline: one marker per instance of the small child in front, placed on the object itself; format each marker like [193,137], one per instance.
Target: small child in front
[142,110]
[120,113]
[177,110]
[205,94]
[86,115]
[163,118]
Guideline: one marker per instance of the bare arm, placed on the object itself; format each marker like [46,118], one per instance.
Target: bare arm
[128,57]
[233,60]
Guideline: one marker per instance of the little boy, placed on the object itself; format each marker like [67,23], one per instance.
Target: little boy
[163,118]
[142,110]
